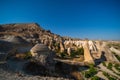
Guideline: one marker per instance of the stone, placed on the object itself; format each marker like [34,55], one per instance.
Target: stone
[42,54]
[62,49]
[69,51]
[87,54]
[39,49]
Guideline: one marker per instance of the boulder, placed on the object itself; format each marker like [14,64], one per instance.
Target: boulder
[42,54]
[69,51]
[62,49]
[39,49]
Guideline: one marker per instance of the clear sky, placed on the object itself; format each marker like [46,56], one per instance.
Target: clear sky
[92,19]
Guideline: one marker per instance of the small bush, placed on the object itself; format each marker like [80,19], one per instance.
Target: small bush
[87,74]
[108,76]
[104,64]
[117,66]
[109,66]
[95,78]
[118,57]
[91,72]
[63,55]
[28,55]
[79,51]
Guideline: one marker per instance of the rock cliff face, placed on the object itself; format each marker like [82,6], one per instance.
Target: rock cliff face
[32,33]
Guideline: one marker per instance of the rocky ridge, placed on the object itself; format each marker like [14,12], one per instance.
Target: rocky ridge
[33,33]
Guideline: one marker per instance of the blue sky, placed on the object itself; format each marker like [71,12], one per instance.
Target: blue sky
[92,19]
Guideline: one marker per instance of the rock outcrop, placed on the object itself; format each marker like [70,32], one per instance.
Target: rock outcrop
[32,33]
[87,54]
[43,55]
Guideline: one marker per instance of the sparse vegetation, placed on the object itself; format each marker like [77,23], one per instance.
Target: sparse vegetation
[108,76]
[117,66]
[109,66]
[104,64]
[115,45]
[95,78]
[26,55]
[78,52]
[118,57]
[63,55]
[91,72]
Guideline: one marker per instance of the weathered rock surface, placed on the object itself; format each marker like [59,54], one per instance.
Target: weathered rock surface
[32,33]
[6,49]
[43,55]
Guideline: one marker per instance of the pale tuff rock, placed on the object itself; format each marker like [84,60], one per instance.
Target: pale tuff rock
[115,50]
[87,45]
[92,46]
[62,49]
[39,49]
[109,56]
[87,55]
[69,51]
[16,40]
[50,44]
[42,54]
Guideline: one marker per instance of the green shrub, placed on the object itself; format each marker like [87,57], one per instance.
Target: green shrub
[117,66]
[79,51]
[111,78]
[63,55]
[109,66]
[108,76]
[95,78]
[91,72]
[87,74]
[28,55]
[104,64]
[118,57]
[105,74]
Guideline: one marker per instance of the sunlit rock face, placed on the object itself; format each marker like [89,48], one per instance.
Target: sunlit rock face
[92,46]
[20,44]
[92,49]
[39,49]
[87,55]
[42,54]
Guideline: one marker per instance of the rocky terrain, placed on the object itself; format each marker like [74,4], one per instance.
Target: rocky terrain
[28,52]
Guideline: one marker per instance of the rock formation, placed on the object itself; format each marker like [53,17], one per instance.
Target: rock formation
[32,33]
[87,54]
[69,51]
[42,54]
